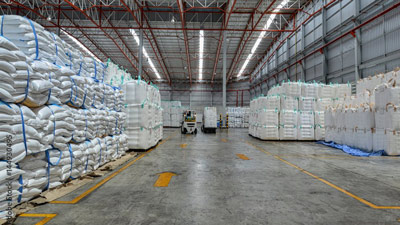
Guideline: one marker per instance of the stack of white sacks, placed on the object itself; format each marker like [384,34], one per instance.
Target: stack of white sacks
[210,117]
[144,114]
[294,110]
[238,117]
[370,120]
[172,113]
[67,123]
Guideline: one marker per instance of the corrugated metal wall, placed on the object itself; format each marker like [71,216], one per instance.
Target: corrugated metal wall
[378,44]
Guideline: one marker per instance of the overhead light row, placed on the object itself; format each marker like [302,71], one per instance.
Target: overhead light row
[136,37]
[80,45]
[201,50]
[261,36]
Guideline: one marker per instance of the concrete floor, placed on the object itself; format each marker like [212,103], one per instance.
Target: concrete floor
[214,186]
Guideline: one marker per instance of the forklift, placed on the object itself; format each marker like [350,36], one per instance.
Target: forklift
[189,122]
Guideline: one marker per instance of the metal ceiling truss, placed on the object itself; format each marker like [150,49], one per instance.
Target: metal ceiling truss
[170,31]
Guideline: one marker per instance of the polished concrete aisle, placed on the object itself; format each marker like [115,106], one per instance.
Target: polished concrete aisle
[231,178]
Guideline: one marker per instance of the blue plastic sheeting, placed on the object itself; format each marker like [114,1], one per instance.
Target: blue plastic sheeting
[352,151]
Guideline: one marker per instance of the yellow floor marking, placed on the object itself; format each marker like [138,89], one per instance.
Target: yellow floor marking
[183,145]
[224,140]
[243,157]
[164,179]
[47,217]
[325,181]
[84,194]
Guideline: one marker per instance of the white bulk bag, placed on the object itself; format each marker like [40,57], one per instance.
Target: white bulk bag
[288,117]
[289,103]
[310,90]
[326,91]
[305,132]
[319,118]
[268,117]
[306,118]
[323,103]
[307,104]
[292,89]
[379,139]
[393,143]
[274,102]
[268,133]
[288,132]
[319,132]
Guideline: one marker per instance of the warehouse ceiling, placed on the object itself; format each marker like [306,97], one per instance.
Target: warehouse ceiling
[172,31]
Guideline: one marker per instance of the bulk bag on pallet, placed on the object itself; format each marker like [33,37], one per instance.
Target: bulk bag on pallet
[319,132]
[307,104]
[348,118]
[268,132]
[391,117]
[385,94]
[138,115]
[139,138]
[310,90]
[305,132]
[364,117]
[329,117]
[378,139]
[262,102]
[268,117]
[288,132]
[329,134]
[392,142]
[273,102]
[289,103]
[364,139]
[292,89]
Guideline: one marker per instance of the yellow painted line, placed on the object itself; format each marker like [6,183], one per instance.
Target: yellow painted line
[84,194]
[164,179]
[325,181]
[47,217]
[183,145]
[224,140]
[243,157]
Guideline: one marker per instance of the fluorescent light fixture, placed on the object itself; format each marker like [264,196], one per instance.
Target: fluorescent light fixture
[136,37]
[80,45]
[201,54]
[261,36]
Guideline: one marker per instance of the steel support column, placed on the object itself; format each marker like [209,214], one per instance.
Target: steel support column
[224,74]
[324,50]
[140,52]
[357,44]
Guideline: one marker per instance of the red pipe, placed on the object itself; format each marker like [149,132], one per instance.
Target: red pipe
[242,98]
[173,29]
[350,32]
[237,98]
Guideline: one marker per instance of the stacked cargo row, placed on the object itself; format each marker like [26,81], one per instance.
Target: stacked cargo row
[238,117]
[58,119]
[144,114]
[294,110]
[172,113]
[369,120]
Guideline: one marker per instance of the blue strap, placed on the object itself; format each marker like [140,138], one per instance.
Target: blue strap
[36,40]
[21,182]
[48,97]
[5,103]
[84,97]
[26,88]
[2,22]
[71,154]
[49,163]
[116,125]
[23,129]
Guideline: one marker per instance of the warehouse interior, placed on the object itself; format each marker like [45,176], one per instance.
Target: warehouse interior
[199,111]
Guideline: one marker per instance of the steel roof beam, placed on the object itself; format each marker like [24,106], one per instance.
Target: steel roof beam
[224,26]
[181,13]
[105,33]
[165,71]
[235,62]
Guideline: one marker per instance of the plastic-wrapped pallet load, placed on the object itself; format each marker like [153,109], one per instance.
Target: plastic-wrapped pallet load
[144,114]
[210,117]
